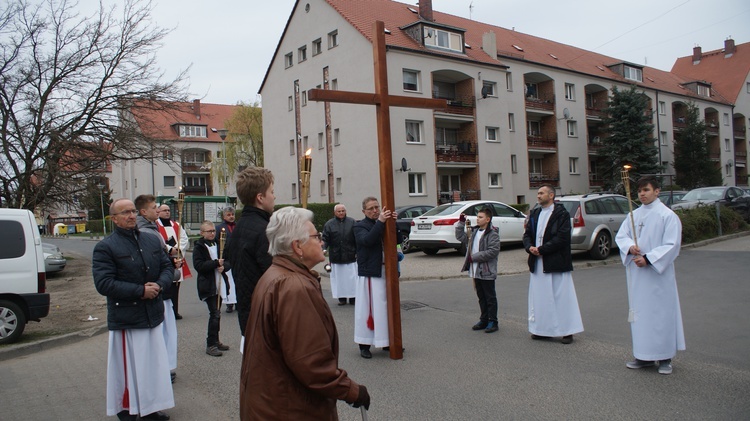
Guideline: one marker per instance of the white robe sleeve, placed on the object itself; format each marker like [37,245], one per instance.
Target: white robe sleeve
[624,240]
[662,256]
[184,240]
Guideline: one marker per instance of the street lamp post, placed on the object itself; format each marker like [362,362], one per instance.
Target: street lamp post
[101,198]
[223,135]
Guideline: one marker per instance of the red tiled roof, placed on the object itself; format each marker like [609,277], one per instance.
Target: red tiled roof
[726,75]
[362,13]
[158,124]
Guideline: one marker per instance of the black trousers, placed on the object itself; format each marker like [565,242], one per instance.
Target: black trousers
[214,320]
[176,296]
[487,300]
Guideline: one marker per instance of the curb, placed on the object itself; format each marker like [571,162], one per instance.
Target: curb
[19,350]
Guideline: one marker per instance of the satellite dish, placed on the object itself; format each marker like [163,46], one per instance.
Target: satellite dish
[404,166]
[485,91]
[566,113]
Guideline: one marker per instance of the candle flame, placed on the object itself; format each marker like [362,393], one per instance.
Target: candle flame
[627,167]
[309,151]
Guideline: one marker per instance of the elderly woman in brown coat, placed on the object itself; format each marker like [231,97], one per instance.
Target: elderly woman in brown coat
[290,363]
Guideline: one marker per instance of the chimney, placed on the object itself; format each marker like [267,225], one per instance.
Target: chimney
[729,47]
[425,10]
[197,108]
[489,44]
[697,54]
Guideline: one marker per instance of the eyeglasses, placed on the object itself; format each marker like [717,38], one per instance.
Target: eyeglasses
[318,236]
[128,212]
[373,208]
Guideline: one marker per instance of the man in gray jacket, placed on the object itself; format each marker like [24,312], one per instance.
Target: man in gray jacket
[482,250]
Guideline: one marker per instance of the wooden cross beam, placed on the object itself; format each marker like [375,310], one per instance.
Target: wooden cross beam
[383,101]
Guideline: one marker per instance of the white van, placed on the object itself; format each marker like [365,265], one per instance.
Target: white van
[22,278]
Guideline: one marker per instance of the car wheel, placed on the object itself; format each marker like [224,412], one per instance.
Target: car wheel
[462,250]
[602,246]
[12,322]
[405,246]
[430,251]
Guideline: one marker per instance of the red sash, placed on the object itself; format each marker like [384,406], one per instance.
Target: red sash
[176,228]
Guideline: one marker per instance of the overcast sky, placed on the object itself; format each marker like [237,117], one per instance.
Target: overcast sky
[231,42]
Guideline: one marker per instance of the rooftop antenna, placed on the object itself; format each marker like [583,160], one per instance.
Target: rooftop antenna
[471,8]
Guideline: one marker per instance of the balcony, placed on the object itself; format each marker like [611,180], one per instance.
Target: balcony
[543,143]
[595,112]
[461,105]
[714,156]
[208,191]
[537,179]
[541,102]
[456,196]
[740,157]
[679,123]
[460,152]
[595,144]
[739,133]
[595,181]
[712,129]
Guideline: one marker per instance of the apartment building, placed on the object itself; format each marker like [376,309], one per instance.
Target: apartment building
[522,110]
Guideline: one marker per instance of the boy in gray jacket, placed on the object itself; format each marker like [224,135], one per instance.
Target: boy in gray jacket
[482,249]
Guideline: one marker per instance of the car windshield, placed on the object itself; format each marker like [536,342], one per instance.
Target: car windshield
[446,209]
[704,194]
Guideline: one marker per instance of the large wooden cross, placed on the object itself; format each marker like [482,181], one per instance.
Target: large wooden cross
[383,102]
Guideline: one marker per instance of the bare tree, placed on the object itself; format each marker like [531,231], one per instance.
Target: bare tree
[66,83]
[244,147]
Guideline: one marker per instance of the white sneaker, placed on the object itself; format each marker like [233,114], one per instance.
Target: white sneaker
[665,367]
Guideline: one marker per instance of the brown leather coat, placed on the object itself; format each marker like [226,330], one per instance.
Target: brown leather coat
[290,362]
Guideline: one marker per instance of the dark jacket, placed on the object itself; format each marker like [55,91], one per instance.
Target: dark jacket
[206,268]
[368,234]
[555,248]
[290,363]
[228,229]
[121,264]
[486,256]
[247,251]
[338,236]
[149,228]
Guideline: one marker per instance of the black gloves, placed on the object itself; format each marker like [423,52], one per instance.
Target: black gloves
[462,218]
[363,399]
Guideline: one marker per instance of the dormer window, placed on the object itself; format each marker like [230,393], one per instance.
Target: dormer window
[440,38]
[704,90]
[192,131]
[633,73]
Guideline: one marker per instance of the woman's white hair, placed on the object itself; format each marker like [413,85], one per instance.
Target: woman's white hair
[286,226]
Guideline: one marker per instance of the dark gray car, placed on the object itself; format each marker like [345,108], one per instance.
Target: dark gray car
[405,216]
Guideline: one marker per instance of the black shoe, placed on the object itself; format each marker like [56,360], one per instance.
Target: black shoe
[178,317]
[351,301]
[491,327]
[342,303]
[479,326]
[365,353]
[567,339]
[214,351]
[539,337]
[158,415]
[172,376]
[125,416]
[230,308]
[222,347]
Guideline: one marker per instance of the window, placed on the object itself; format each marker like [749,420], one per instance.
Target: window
[317,47]
[195,181]
[446,138]
[288,61]
[511,122]
[489,89]
[662,108]
[704,90]
[168,181]
[135,183]
[291,146]
[335,84]
[338,185]
[323,191]
[291,103]
[192,131]
[321,145]
[294,190]
[729,170]
[491,134]
[413,131]
[726,119]
[194,157]
[302,54]
[521,199]
[304,144]
[572,128]
[509,82]
[748,87]
[633,73]
[495,180]
[531,90]
[535,166]
[411,80]
[167,154]
[726,145]
[534,128]
[573,165]
[336,139]
[443,39]
[304,98]
[663,138]
[333,39]
[513,165]
[417,184]
[14,245]
[570,91]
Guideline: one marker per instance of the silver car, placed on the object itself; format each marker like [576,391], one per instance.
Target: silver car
[53,258]
[595,220]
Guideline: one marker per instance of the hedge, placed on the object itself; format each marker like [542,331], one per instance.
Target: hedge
[700,223]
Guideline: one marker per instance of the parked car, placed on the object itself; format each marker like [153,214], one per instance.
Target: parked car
[730,196]
[405,216]
[596,218]
[669,198]
[434,230]
[53,258]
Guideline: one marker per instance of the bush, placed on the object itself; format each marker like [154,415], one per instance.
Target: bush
[95,225]
[322,212]
[522,207]
[700,223]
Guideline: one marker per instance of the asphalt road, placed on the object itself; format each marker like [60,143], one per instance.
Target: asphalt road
[450,372]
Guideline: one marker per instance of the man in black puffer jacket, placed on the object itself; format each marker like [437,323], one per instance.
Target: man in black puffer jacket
[131,269]
[247,248]
[338,239]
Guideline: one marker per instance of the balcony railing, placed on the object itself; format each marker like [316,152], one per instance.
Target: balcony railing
[457,195]
[679,123]
[536,180]
[740,157]
[541,102]
[595,112]
[739,133]
[462,104]
[741,180]
[595,180]
[198,189]
[542,142]
[714,156]
[461,152]
[712,129]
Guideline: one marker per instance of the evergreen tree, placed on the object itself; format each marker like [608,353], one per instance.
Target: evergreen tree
[94,198]
[629,138]
[692,163]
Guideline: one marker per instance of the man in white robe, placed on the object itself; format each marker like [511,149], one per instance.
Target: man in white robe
[338,239]
[654,305]
[553,304]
